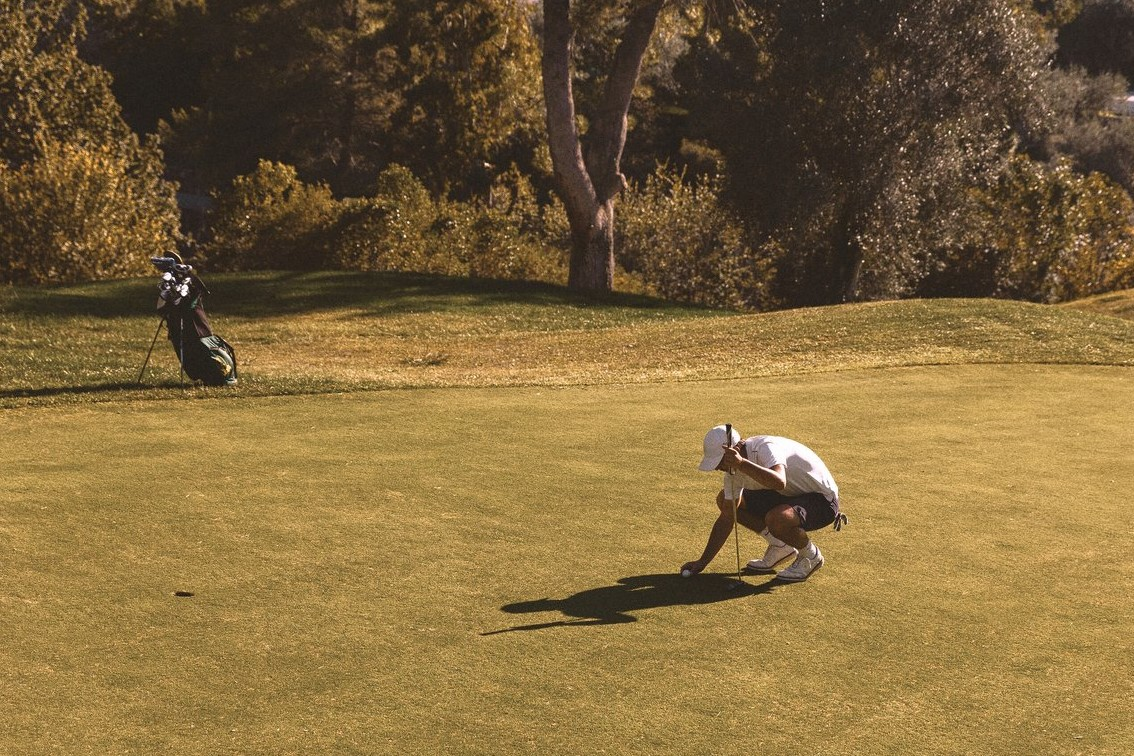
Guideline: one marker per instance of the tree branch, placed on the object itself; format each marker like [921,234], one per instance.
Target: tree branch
[608,132]
[563,135]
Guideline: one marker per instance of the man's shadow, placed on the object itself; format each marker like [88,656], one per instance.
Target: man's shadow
[613,604]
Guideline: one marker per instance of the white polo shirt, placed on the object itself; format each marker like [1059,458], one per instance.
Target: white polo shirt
[805,472]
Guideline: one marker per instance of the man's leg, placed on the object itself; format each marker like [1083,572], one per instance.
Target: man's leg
[776,550]
[750,520]
[785,524]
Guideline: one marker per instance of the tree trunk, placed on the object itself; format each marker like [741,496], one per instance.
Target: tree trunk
[852,264]
[850,255]
[588,186]
[592,252]
[344,160]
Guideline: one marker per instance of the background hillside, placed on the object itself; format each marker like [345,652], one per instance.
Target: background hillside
[319,332]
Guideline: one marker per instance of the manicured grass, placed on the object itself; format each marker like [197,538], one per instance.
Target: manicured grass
[481,558]
[493,571]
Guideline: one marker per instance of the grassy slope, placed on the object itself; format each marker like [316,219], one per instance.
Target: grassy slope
[302,333]
[491,571]
[1117,303]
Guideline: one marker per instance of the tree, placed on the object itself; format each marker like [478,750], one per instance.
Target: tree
[1101,38]
[155,50]
[46,90]
[588,177]
[300,82]
[80,198]
[341,89]
[1096,71]
[1085,130]
[468,93]
[854,128]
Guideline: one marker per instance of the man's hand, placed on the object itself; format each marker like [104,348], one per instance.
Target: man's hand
[731,459]
[692,567]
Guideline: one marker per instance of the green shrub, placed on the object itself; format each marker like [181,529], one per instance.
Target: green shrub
[686,247]
[269,219]
[78,213]
[393,230]
[504,237]
[1046,234]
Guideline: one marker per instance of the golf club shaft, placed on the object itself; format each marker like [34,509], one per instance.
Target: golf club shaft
[735,508]
[736,537]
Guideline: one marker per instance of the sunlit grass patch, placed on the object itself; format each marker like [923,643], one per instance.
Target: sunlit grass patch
[481,556]
[493,570]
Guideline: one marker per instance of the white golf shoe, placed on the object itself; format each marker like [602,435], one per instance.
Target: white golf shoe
[773,556]
[802,567]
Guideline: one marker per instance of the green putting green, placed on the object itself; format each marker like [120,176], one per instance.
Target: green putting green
[493,570]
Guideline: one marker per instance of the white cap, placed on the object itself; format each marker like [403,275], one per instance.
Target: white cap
[715,441]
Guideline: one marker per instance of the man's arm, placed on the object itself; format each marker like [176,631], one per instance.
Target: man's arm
[722,527]
[773,477]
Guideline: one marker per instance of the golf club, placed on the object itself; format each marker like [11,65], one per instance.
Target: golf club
[735,512]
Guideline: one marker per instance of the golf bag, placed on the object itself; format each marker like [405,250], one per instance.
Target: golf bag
[204,356]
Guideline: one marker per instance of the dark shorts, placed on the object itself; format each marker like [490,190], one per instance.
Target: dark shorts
[813,509]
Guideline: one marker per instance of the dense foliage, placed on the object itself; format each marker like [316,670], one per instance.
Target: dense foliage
[338,89]
[817,150]
[80,197]
[76,213]
[1100,38]
[686,245]
[855,127]
[271,219]
[1041,233]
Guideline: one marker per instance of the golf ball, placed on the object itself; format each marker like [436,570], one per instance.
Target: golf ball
[686,573]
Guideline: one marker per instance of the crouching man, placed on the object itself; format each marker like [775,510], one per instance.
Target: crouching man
[776,487]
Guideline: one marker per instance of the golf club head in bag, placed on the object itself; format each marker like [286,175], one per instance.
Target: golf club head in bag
[171,265]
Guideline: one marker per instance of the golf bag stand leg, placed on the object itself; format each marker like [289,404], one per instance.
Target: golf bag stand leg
[181,351]
[161,322]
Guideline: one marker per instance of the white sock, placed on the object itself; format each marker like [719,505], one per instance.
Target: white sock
[771,539]
[810,550]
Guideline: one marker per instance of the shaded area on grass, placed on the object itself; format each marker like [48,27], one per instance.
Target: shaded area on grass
[613,604]
[403,293]
[120,389]
[275,293]
[95,389]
